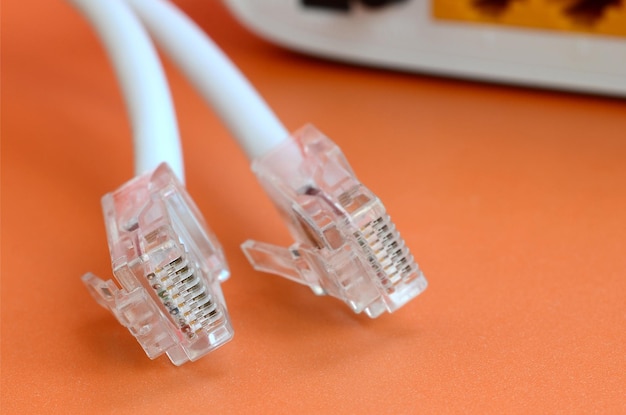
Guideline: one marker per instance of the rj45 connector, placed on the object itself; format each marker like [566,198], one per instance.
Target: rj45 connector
[169,266]
[345,243]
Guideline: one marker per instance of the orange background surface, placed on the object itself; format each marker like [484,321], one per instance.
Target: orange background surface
[512,200]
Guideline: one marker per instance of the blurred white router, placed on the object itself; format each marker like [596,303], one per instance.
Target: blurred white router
[405,35]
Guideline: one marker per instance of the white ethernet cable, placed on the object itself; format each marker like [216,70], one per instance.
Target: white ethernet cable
[345,243]
[218,80]
[138,69]
[168,263]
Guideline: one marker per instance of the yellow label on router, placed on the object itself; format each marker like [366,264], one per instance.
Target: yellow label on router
[602,17]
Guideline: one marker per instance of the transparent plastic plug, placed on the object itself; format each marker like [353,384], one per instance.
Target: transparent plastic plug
[345,243]
[169,266]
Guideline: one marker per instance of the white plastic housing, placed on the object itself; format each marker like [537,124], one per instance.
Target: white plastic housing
[406,36]
[169,266]
[345,243]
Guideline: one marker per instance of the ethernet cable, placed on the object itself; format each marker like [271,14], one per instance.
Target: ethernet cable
[216,78]
[147,96]
[166,260]
[345,243]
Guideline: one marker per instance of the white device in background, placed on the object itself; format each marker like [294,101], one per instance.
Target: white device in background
[405,35]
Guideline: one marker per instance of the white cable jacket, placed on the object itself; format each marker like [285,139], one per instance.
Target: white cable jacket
[144,86]
[218,80]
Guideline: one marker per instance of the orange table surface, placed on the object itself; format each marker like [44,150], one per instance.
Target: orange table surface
[512,200]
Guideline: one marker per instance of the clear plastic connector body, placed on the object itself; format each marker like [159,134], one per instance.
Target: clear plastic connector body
[169,266]
[345,243]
